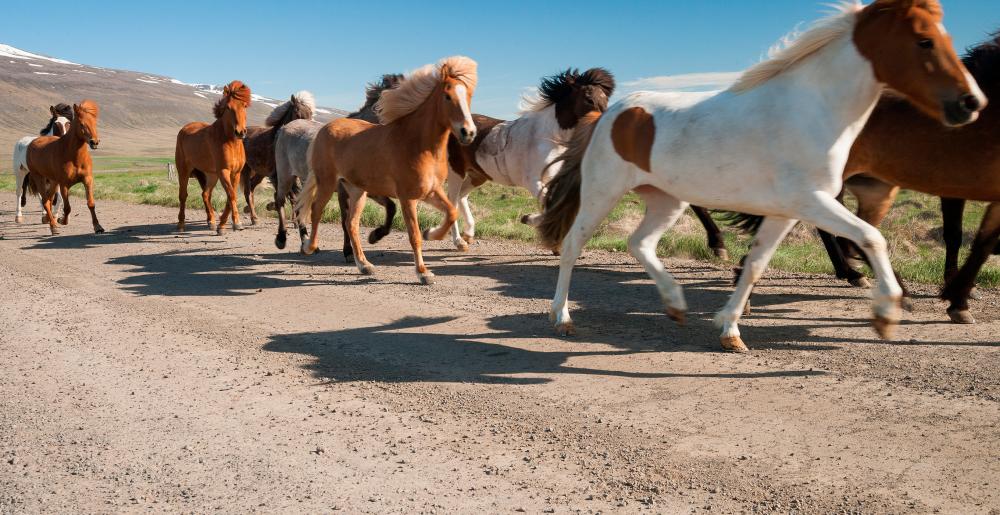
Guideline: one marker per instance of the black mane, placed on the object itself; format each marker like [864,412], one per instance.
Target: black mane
[64,110]
[559,87]
[983,62]
[372,93]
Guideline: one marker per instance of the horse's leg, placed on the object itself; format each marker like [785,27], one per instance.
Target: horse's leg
[50,195]
[409,208]
[64,219]
[823,211]
[88,185]
[182,194]
[841,267]
[206,196]
[343,200]
[715,241]
[293,193]
[390,212]
[456,188]
[229,179]
[281,186]
[769,236]
[356,206]
[662,212]
[324,192]
[952,211]
[250,185]
[957,290]
[21,180]
[439,200]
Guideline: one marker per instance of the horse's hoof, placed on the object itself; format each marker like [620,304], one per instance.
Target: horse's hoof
[270,206]
[722,254]
[180,227]
[884,327]
[54,231]
[556,252]
[366,269]
[281,240]
[961,316]
[349,258]
[469,238]
[677,315]
[426,278]
[565,329]
[734,344]
[45,219]
[306,250]
[974,295]
[462,246]
[747,309]
[246,209]
[220,230]
[19,219]
[211,226]
[62,220]
[860,282]
[237,227]
[98,229]
[907,304]
[526,219]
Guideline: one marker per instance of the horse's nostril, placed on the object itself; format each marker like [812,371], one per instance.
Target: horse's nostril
[970,103]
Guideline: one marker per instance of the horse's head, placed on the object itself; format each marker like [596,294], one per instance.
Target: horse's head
[85,122]
[232,108]
[62,116]
[458,82]
[911,52]
[575,94]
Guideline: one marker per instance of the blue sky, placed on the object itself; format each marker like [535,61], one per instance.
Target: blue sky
[333,48]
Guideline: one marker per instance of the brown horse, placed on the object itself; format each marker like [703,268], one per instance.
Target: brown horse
[404,158]
[901,147]
[214,152]
[59,163]
[259,145]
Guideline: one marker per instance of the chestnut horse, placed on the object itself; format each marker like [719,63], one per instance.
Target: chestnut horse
[259,145]
[59,122]
[214,152]
[404,158]
[774,144]
[59,163]
[902,148]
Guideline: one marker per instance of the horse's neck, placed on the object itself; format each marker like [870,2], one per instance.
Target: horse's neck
[422,129]
[74,147]
[222,133]
[840,80]
[544,125]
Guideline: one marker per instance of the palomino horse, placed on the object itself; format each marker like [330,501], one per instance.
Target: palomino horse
[292,165]
[902,148]
[59,163]
[404,158]
[214,152]
[773,144]
[515,153]
[259,145]
[62,115]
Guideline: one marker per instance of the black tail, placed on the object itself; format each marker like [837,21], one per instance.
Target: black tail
[748,224]
[24,189]
[562,198]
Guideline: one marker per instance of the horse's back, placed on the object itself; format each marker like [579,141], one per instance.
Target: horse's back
[21,153]
[291,147]
[36,151]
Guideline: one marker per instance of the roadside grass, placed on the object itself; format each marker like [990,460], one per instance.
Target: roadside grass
[913,227]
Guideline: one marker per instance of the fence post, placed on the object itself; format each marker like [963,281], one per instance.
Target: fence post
[171,172]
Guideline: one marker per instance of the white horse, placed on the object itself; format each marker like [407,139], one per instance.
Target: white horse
[774,144]
[62,115]
[516,152]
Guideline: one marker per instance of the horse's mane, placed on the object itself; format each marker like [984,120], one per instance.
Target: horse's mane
[235,90]
[796,46]
[414,90]
[64,110]
[983,62]
[89,107]
[372,93]
[558,87]
[300,107]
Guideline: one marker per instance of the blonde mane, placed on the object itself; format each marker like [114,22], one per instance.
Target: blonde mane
[418,85]
[795,47]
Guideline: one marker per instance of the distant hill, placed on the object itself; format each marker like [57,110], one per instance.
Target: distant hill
[140,112]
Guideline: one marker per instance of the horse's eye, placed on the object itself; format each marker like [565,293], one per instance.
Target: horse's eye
[926,43]
[447,97]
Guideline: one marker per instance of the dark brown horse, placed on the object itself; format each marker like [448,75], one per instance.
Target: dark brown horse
[56,164]
[901,147]
[367,113]
[259,145]
[214,152]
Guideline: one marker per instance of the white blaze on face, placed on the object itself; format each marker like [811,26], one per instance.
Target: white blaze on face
[976,91]
[462,93]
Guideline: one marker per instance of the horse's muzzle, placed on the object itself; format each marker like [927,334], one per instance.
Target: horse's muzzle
[94,143]
[241,134]
[466,136]
[963,111]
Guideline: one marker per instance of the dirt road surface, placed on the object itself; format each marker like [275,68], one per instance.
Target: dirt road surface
[147,370]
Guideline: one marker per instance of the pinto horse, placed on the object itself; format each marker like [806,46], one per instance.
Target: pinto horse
[214,152]
[259,145]
[61,116]
[59,163]
[517,152]
[404,158]
[901,148]
[773,144]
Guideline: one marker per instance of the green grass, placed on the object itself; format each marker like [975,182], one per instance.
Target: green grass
[913,227]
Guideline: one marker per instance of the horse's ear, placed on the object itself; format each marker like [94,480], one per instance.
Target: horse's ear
[76,109]
[52,110]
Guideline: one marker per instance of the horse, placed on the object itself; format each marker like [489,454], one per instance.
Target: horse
[59,163]
[404,158]
[214,152]
[516,152]
[292,165]
[774,144]
[902,148]
[61,116]
[259,145]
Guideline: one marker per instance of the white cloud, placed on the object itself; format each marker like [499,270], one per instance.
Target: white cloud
[710,81]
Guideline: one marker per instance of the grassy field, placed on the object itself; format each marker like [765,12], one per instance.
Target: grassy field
[913,228]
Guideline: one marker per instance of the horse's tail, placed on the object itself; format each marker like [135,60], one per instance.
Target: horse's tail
[748,224]
[304,201]
[561,202]
[24,189]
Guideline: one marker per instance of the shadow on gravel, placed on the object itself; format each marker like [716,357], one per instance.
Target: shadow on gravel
[410,350]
